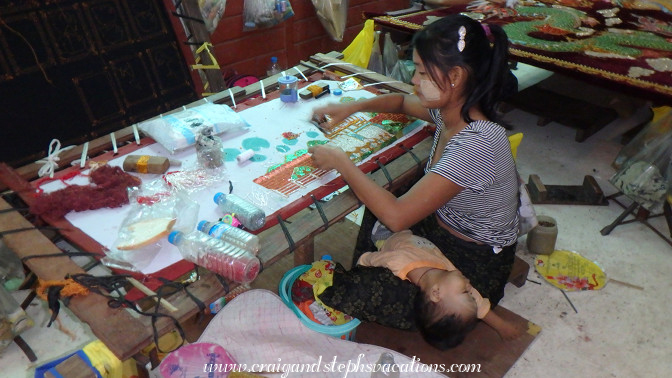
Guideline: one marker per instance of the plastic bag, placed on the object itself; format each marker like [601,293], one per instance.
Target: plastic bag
[526,213]
[659,126]
[333,15]
[642,177]
[11,269]
[259,14]
[156,210]
[359,51]
[376,58]
[211,11]
[179,130]
[390,54]
[13,318]
[396,68]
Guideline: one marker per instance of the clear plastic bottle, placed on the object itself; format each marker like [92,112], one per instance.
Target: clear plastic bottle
[386,367]
[252,217]
[209,149]
[233,235]
[274,68]
[218,256]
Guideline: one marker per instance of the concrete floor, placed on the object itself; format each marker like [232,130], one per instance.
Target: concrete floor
[619,331]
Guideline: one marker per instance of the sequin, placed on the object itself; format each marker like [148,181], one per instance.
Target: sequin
[660,64]
[639,72]
[608,12]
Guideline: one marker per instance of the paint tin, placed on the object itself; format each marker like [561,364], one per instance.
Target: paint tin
[288,88]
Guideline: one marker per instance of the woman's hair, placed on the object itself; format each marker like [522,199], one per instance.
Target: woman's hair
[485,61]
[440,330]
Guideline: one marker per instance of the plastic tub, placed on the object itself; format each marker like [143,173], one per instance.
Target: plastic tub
[344,331]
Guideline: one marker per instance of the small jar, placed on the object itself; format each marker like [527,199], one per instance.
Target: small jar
[209,149]
[288,88]
[541,239]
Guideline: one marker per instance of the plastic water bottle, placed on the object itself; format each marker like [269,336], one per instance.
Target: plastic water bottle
[218,256]
[274,68]
[385,367]
[233,235]
[249,215]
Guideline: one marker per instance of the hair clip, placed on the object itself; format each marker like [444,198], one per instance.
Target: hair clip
[462,32]
[486,29]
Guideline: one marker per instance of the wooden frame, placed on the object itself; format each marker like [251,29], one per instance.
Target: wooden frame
[106,322]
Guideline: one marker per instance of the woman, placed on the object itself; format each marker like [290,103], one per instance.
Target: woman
[466,203]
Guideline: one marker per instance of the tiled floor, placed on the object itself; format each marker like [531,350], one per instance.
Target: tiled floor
[619,331]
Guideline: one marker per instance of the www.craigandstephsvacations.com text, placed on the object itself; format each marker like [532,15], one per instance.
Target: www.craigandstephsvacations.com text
[345,368]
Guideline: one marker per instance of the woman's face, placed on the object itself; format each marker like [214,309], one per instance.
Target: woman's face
[430,94]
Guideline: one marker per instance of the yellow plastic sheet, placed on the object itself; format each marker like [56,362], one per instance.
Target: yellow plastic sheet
[570,271]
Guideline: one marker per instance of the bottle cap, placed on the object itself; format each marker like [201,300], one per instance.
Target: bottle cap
[326,257]
[337,92]
[287,79]
[218,195]
[174,237]
[274,59]
[201,225]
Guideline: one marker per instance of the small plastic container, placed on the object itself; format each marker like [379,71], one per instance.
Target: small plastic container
[344,331]
[541,239]
[288,86]
[209,149]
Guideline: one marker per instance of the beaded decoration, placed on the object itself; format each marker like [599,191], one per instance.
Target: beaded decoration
[356,135]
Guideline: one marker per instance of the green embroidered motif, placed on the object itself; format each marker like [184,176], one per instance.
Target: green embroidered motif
[569,19]
[299,172]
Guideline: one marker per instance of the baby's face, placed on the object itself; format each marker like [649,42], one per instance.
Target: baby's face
[455,291]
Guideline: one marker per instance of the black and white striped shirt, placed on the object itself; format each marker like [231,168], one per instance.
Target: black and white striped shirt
[479,159]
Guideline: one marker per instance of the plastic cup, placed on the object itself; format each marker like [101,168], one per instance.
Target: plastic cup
[288,88]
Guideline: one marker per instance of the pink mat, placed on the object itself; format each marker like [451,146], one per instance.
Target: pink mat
[257,328]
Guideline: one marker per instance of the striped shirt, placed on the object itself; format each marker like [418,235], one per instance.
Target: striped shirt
[479,159]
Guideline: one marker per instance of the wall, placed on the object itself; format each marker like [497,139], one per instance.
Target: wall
[293,40]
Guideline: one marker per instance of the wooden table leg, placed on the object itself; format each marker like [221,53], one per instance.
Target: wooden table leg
[304,252]
[667,212]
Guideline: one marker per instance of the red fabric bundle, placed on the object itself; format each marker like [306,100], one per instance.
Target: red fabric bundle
[108,189]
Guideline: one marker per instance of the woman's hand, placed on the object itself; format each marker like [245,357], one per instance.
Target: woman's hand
[336,112]
[328,157]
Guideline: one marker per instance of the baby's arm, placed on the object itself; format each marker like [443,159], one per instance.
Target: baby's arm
[506,330]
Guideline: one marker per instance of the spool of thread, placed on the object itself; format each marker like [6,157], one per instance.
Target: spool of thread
[245,156]
[146,164]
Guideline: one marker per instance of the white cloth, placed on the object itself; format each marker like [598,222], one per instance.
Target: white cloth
[258,328]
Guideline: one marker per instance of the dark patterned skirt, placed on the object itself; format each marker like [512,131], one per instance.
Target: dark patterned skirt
[487,271]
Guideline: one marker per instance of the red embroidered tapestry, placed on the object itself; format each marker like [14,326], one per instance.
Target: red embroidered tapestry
[622,44]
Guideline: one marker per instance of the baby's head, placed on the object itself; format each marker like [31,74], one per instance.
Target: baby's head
[445,310]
